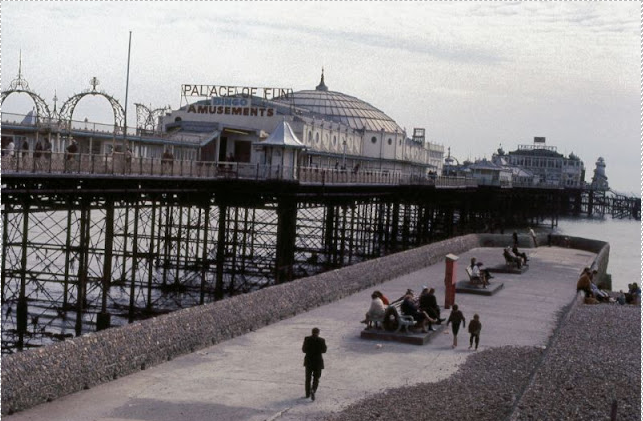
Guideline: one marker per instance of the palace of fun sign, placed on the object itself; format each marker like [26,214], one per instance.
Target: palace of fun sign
[209,91]
[233,100]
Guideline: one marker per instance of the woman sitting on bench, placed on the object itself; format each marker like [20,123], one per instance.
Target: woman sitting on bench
[376,311]
[511,259]
[478,272]
[523,255]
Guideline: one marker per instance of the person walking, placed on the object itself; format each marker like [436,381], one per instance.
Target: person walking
[474,329]
[314,346]
[456,317]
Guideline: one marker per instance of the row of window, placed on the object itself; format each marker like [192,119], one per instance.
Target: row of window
[543,162]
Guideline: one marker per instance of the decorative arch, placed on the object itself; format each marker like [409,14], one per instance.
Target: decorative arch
[146,117]
[42,109]
[20,85]
[67,109]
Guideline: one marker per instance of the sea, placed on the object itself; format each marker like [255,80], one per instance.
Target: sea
[624,237]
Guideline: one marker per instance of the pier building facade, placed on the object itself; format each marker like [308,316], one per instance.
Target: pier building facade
[337,130]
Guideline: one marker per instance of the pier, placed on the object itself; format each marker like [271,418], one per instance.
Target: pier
[88,245]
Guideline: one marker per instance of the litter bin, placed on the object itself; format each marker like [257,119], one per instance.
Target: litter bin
[450,279]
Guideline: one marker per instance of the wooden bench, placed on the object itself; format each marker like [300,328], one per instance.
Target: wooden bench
[394,320]
[510,262]
[473,280]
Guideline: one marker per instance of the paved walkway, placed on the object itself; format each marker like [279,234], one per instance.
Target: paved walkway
[259,376]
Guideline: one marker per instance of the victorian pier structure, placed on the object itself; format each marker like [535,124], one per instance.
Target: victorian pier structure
[102,225]
[87,251]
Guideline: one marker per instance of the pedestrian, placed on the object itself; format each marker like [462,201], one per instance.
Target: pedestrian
[515,238]
[533,236]
[128,160]
[25,154]
[474,329]
[46,149]
[456,317]
[37,154]
[314,346]
[11,147]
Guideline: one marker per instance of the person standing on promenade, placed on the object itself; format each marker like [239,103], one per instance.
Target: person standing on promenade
[314,346]
[515,238]
[456,317]
[533,236]
[474,329]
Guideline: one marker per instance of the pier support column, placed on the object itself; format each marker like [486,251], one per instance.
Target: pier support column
[329,238]
[22,308]
[286,234]
[83,262]
[220,259]
[103,319]
[395,226]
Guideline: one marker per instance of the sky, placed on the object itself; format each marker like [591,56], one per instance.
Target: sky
[475,75]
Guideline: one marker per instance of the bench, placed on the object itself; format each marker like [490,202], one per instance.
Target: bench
[512,262]
[473,280]
[394,320]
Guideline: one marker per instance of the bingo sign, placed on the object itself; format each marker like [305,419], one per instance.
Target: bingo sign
[234,100]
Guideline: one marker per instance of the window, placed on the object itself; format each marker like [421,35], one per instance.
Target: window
[373,139]
[316,137]
[390,141]
[334,140]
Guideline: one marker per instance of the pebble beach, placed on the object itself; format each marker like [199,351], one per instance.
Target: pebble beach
[592,361]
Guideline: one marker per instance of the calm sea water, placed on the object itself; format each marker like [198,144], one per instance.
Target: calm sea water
[624,236]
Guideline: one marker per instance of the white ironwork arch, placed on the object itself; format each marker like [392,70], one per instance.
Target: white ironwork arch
[67,109]
[42,110]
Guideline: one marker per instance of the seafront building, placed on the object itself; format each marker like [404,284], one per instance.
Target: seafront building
[547,165]
[537,164]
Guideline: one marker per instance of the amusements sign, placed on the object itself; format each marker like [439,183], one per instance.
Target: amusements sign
[234,100]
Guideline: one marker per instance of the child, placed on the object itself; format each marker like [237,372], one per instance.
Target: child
[474,329]
[456,317]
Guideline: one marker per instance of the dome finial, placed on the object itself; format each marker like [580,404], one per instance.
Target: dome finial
[322,86]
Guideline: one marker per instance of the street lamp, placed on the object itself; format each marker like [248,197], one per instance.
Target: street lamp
[381,144]
[344,155]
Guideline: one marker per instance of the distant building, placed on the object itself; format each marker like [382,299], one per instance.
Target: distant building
[545,164]
[488,173]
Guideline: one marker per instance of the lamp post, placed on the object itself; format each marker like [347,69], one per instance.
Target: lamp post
[381,144]
[344,155]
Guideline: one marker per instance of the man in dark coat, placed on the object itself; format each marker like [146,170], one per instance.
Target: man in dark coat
[429,303]
[314,346]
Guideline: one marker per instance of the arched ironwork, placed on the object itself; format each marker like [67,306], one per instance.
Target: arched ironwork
[20,85]
[146,118]
[67,109]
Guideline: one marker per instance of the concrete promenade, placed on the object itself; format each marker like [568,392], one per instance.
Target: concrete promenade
[259,376]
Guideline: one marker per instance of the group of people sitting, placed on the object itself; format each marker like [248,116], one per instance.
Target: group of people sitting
[632,296]
[424,309]
[512,254]
[586,284]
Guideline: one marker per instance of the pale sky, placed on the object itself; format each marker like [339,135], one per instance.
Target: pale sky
[474,74]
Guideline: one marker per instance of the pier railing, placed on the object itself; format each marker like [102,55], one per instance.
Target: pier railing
[120,164]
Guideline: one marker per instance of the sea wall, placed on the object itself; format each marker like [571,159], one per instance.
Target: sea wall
[36,376]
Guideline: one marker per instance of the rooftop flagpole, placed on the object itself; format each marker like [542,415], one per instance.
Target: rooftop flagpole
[129,48]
